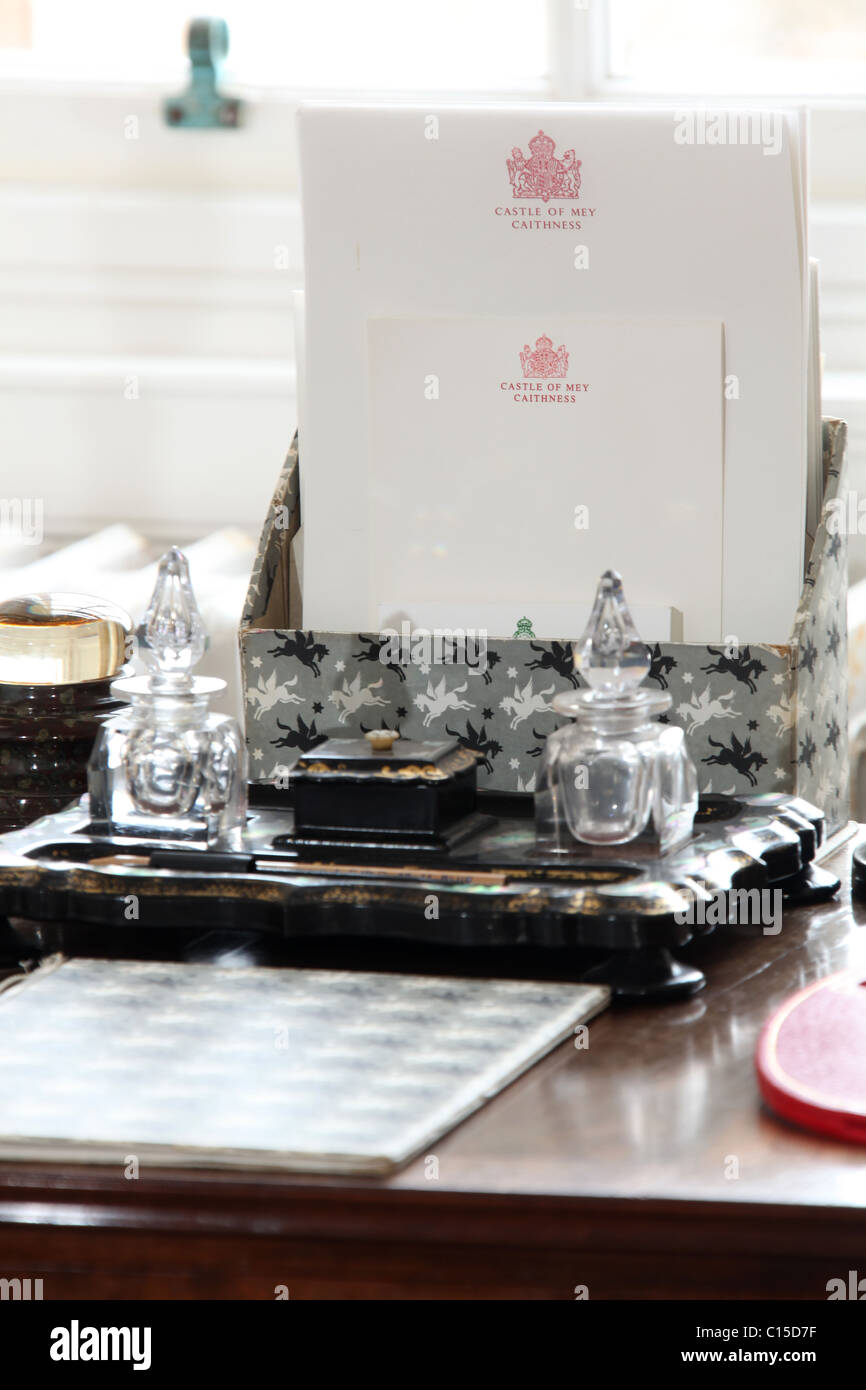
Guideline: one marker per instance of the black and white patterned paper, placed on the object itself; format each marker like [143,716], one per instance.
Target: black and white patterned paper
[758,718]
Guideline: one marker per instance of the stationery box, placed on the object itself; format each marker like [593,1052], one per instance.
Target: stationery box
[763,718]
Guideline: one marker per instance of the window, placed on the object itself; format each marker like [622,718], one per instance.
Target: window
[752,46]
[380,45]
[146,346]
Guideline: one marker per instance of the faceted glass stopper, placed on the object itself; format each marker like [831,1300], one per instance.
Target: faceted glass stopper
[610,655]
[171,634]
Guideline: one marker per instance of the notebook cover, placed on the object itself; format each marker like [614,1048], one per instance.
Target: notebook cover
[305,1070]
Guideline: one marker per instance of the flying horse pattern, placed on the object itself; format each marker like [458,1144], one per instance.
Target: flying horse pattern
[268,694]
[355,696]
[701,708]
[524,702]
[661,666]
[303,736]
[740,756]
[556,657]
[439,701]
[374,648]
[341,683]
[476,740]
[301,646]
[742,666]
[784,715]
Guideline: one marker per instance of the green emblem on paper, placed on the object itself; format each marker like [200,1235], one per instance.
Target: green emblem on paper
[524,628]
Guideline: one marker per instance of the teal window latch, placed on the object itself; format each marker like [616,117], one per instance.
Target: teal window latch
[202,106]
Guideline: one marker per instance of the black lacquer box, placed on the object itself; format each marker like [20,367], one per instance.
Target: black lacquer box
[384,789]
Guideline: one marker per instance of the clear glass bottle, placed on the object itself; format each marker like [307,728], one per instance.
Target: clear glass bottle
[166,766]
[616,774]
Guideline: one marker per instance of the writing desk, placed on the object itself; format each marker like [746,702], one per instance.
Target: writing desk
[643,1166]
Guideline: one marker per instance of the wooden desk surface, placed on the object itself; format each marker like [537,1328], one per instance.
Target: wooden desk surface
[641,1167]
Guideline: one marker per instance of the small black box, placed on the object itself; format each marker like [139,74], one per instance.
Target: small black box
[373,789]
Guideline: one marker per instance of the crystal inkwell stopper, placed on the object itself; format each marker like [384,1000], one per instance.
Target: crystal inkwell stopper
[616,774]
[167,766]
[610,655]
[171,634]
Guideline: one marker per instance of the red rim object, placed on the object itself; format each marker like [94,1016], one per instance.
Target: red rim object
[811,1057]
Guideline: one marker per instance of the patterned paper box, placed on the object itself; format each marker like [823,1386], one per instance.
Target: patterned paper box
[759,719]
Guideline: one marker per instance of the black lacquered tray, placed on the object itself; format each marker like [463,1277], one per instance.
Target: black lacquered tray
[617,916]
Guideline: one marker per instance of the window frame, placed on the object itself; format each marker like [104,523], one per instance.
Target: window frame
[100,237]
[46,116]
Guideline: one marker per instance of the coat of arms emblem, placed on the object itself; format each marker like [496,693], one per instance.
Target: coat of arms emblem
[542,175]
[544,360]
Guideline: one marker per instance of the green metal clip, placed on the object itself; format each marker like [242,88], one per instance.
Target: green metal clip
[202,106]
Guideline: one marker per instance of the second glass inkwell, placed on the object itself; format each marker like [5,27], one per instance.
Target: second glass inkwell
[616,774]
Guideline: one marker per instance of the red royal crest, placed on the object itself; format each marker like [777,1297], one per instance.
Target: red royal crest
[544,361]
[542,175]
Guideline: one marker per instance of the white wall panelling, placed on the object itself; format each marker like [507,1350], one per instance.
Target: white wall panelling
[146,355]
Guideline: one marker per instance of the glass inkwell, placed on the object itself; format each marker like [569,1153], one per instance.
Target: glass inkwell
[166,765]
[616,775]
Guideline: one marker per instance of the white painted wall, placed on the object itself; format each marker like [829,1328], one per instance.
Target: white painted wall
[146,355]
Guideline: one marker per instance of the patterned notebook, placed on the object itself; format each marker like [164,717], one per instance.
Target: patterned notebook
[309,1070]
